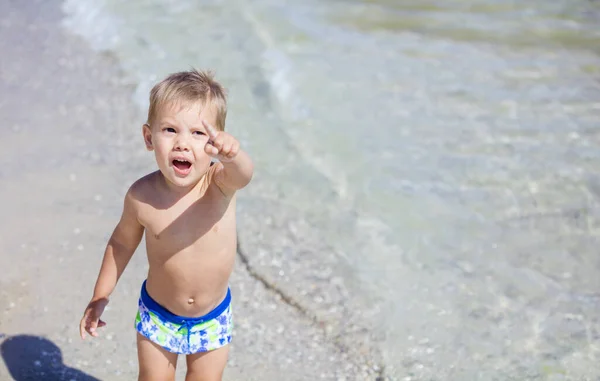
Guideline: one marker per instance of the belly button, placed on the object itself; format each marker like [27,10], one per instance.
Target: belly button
[190,301]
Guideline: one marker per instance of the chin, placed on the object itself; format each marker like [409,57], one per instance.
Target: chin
[184,182]
[179,181]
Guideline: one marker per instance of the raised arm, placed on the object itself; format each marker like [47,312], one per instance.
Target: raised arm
[122,244]
[235,168]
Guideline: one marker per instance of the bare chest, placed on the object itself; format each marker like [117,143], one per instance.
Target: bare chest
[187,223]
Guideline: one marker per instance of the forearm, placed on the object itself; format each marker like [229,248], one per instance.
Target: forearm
[238,171]
[116,258]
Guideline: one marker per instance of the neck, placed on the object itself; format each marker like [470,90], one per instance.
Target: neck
[178,192]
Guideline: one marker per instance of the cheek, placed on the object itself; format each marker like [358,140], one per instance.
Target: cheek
[199,148]
[161,149]
[202,157]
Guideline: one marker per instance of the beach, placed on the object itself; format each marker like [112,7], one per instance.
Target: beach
[425,206]
[68,119]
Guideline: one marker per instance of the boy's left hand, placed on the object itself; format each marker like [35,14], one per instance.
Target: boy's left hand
[220,145]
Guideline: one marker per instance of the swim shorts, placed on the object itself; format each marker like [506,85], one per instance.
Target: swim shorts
[184,335]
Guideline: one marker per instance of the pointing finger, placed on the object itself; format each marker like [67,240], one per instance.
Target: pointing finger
[217,142]
[212,132]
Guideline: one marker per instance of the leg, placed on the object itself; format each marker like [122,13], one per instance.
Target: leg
[156,363]
[207,366]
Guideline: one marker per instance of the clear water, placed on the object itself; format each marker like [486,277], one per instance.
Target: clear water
[449,151]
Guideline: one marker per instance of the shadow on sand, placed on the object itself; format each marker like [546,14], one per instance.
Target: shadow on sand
[36,358]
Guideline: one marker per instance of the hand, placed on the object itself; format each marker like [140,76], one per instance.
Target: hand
[91,318]
[220,145]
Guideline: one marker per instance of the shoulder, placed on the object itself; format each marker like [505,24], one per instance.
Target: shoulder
[142,189]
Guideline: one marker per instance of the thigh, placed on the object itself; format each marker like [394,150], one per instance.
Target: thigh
[155,362]
[207,366]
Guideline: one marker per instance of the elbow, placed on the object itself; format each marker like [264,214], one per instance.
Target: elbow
[248,175]
[244,180]
[245,175]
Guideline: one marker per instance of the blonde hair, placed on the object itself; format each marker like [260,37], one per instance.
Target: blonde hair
[189,87]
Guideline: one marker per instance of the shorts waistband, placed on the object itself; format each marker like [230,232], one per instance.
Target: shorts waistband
[165,314]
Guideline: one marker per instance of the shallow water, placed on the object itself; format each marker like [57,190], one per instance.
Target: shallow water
[449,151]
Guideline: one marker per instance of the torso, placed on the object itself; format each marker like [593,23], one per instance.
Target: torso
[191,247]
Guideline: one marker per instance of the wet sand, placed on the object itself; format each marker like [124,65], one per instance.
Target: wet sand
[71,146]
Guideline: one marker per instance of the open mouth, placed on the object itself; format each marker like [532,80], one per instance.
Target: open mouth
[182,166]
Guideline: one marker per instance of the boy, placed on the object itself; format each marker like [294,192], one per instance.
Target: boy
[187,211]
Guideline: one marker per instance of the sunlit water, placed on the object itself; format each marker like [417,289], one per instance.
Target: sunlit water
[447,150]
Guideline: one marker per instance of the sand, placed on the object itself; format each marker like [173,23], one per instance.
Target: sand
[71,146]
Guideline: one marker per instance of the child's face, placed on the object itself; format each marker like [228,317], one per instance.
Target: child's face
[177,138]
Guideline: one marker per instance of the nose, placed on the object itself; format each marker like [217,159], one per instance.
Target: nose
[181,144]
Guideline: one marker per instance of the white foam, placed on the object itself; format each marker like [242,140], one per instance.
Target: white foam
[90,20]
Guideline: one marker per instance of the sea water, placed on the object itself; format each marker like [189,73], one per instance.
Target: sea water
[450,150]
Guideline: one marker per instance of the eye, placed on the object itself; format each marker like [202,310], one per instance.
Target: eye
[198,133]
[169,130]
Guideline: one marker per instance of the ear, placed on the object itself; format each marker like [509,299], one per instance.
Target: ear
[147,132]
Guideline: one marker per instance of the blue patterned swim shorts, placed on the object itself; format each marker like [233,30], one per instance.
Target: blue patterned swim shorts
[184,335]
